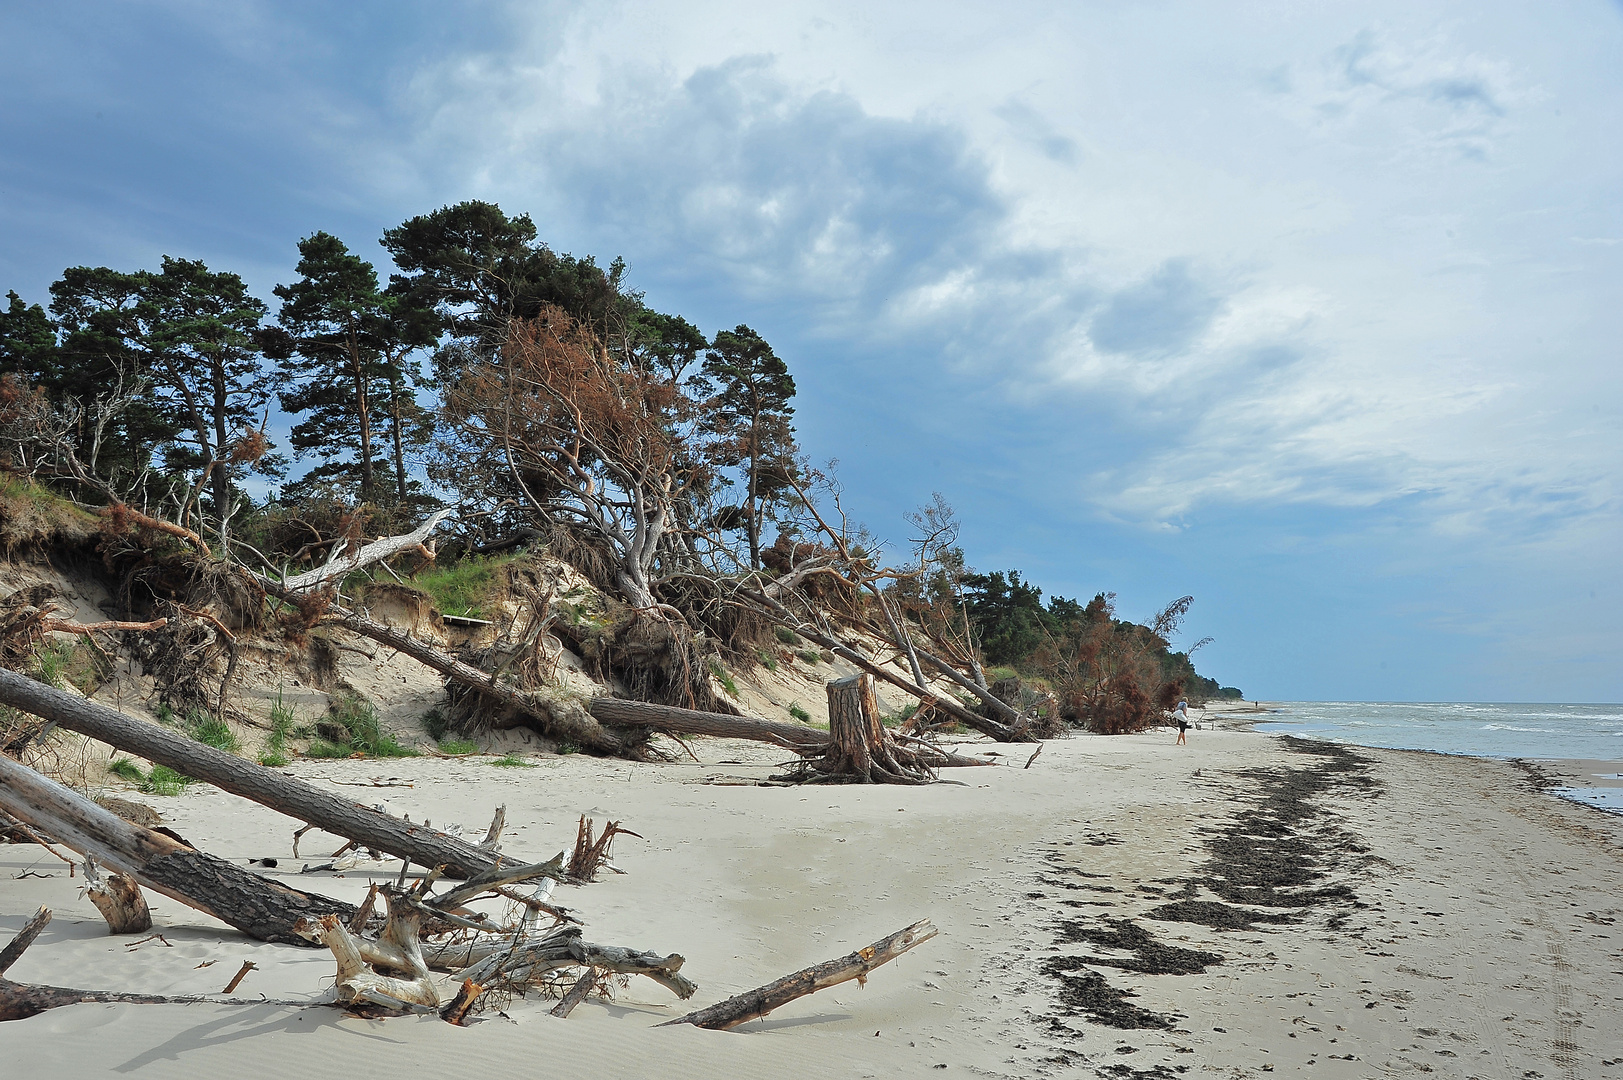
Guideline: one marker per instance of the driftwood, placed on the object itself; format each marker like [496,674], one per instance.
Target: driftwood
[591,855]
[340,563]
[19,1001]
[120,902]
[400,942]
[260,908]
[366,826]
[529,961]
[762,1000]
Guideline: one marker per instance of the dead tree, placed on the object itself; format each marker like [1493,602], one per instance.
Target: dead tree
[341,561]
[260,908]
[366,826]
[762,1000]
[119,900]
[860,749]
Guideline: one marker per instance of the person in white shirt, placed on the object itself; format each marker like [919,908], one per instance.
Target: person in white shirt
[1180,716]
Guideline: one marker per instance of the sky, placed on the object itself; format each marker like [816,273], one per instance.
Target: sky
[1313,311]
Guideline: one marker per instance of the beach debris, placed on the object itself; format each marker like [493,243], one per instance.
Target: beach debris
[860,749]
[242,973]
[18,1001]
[758,1002]
[591,855]
[364,825]
[397,949]
[262,909]
[119,900]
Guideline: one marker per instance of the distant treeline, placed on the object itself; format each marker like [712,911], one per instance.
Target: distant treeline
[539,393]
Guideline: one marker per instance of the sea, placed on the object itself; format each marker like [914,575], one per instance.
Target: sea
[1590,733]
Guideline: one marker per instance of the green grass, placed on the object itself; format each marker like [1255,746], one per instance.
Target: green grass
[725,679]
[458,746]
[768,661]
[810,656]
[161,781]
[64,663]
[165,781]
[359,718]
[798,713]
[512,761]
[128,770]
[786,635]
[464,587]
[283,719]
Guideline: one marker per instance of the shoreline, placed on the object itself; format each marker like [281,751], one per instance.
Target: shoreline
[1453,920]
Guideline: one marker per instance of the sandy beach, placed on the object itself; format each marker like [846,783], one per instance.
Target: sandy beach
[1353,913]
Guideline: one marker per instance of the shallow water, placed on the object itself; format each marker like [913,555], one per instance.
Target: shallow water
[1583,732]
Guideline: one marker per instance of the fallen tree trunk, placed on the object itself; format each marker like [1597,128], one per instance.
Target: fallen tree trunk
[620,712]
[262,909]
[762,1000]
[563,718]
[362,824]
[338,565]
[781,615]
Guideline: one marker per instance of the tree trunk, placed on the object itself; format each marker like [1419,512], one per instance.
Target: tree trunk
[780,615]
[397,437]
[362,824]
[119,900]
[853,725]
[619,712]
[338,565]
[762,1000]
[260,908]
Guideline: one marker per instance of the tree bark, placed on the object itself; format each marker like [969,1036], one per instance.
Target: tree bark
[362,824]
[119,900]
[620,712]
[853,725]
[762,1000]
[260,908]
[338,565]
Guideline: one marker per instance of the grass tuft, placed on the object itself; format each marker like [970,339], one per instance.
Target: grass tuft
[458,746]
[512,761]
[798,713]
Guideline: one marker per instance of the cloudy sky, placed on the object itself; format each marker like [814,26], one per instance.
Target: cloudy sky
[1314,311]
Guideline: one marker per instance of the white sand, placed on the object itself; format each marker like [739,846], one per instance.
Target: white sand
[1487,948]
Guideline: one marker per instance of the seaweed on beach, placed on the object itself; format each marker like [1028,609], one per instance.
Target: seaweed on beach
[1270,856]
[1085,993]
[1150,957]
[1212,913]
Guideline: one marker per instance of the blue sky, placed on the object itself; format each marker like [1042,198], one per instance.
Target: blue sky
[1309,310]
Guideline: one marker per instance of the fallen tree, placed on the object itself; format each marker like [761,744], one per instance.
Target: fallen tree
[262,909]
[366,826]
[762,1000]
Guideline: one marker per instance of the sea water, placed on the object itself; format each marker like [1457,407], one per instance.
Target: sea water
[1585,732]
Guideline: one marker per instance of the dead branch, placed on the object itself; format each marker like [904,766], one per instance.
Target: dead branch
[762,1000]
[339,563]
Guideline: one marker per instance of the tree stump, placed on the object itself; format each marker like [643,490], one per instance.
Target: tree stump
[860,749]
[119,900]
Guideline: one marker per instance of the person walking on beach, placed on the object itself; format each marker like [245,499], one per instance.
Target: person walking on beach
[1180,716]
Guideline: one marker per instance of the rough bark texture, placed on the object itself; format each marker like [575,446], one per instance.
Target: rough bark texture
[362,824]
[25,937]
[119,900]
[762,1000]
[260,908]
[619,712]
